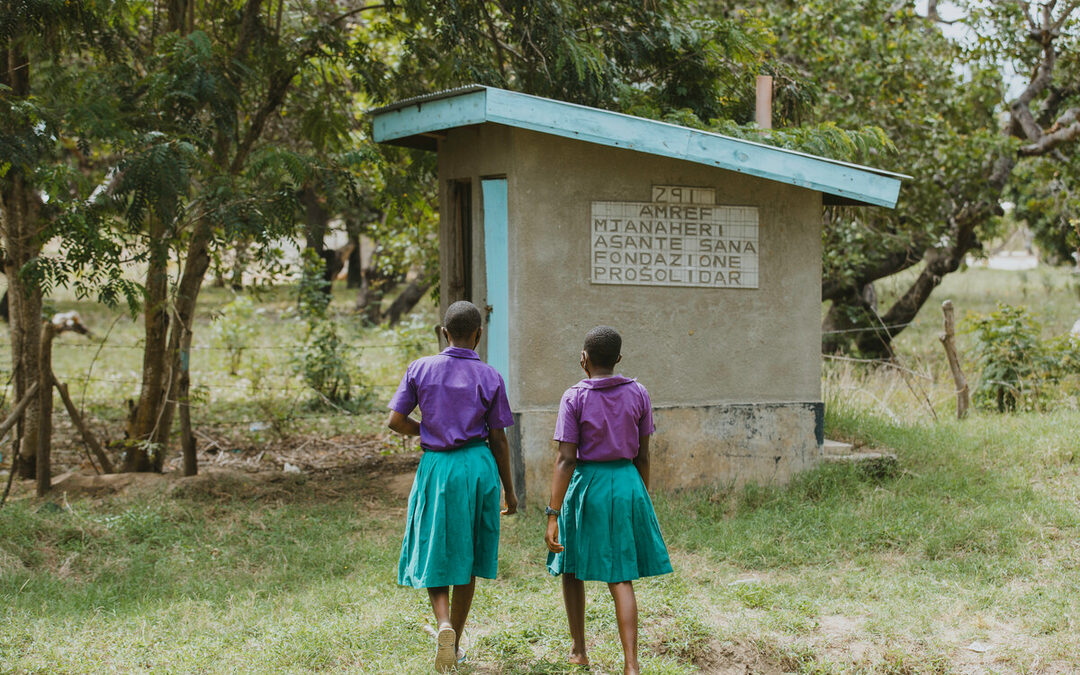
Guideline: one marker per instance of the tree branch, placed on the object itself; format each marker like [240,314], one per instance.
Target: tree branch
[896,261]
[1066,129]
[932,14]
[248,25]
[499,56]
[275,95]
[1026,7]
[354,12]
[1054,98]
[1065,14]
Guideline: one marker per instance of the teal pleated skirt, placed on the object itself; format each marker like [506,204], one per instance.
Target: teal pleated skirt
[452,526]
[608,527]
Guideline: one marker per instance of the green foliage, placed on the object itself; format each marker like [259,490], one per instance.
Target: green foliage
[1019,369]
[233,330]
[1045,199]
[414,338]
[324,357]
[323,362]
[882,65]
[313,296]
[615,54]
[905,77]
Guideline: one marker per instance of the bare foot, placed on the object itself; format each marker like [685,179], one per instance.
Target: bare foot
[578,659]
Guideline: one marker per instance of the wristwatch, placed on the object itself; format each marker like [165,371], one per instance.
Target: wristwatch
[548,511]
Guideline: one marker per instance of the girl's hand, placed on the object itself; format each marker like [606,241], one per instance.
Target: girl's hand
[551,538]
[510,507]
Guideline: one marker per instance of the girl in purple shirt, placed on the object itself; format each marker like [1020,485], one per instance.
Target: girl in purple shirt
[452,526]
[601,523]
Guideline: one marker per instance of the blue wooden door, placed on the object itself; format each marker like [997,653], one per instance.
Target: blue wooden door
[497,257]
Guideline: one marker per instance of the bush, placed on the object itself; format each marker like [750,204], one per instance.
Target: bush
[323,362]
[1019,369]
[234,330]
[324,357]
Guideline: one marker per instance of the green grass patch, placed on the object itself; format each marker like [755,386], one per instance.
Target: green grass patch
[972,539]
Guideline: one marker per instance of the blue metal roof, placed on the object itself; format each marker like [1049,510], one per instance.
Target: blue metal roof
[417,122]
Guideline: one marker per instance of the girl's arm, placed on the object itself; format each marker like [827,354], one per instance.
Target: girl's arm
[403,424]
[560,481]
[642,460]
[500,448]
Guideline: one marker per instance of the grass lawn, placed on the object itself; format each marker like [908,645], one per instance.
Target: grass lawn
[965,560]
[973,541]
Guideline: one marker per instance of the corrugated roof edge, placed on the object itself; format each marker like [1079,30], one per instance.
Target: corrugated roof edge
[434,96]
[468,89]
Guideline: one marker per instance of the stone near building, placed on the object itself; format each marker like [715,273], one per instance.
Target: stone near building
[703,250]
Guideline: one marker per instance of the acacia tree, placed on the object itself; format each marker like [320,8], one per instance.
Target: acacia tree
[195,156]
[883,63]
[231,74]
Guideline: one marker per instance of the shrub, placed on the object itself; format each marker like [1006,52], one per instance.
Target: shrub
[1019,369]
[323,362]
[234,330]
[324,357]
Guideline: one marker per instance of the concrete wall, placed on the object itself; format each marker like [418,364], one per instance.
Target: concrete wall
[698,446]
[734,373]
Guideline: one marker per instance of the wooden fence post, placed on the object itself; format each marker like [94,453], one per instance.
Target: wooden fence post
[963,400]
[45,405]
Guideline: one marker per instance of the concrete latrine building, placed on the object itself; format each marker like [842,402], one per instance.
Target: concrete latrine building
[703,250]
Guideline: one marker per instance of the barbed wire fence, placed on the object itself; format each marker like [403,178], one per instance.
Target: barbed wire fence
[265,382]
[269,381]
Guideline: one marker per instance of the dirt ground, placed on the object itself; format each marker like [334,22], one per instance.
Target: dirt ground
[234,465]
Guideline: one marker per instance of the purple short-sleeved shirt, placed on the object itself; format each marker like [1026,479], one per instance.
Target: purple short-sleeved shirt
[460,397]
[605,416]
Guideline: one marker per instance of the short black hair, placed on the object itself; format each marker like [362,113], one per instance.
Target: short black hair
[603,345]
[462,318]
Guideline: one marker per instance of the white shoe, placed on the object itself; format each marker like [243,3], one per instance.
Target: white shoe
[445,654]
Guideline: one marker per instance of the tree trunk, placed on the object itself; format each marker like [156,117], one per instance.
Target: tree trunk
[146,416]
[187,438]
[19,208]
[187,293]
[377,285]
[844,320]
[406,300]
[355,278]
[240,260]
[965,223]
[19,214]
[316,218]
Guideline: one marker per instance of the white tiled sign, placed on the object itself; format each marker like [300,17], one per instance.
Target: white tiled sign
[679,194]
[674,244]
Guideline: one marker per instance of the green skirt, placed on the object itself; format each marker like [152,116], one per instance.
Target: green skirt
[452,527]
[608,527]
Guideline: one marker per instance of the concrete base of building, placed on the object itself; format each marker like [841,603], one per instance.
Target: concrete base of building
[723,446]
